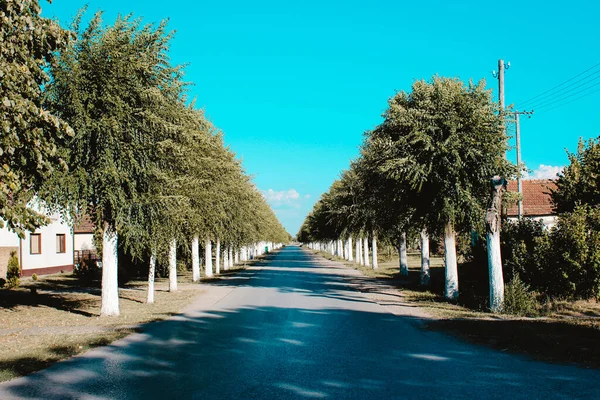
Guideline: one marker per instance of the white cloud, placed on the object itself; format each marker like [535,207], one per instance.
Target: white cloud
[544,172]
[307,196]
[281,196]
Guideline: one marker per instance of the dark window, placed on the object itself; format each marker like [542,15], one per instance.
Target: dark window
[35,243]
[60,243]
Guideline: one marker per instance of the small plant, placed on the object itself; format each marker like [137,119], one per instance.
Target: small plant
[518,299]
[34,277]
[13,271]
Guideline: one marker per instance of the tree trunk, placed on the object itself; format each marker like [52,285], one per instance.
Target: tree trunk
[237,257]
[195,260]
[230,265]
[350,255]
[492,222]
[403,255]
[110,282]
[366,251]
[218,256]
[451,288]
[374,245]
[208,258]
[173,266]
[151,273]
[424,258]
[358,252]
[225,259]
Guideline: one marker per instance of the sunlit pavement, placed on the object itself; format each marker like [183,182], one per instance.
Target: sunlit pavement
[296,327]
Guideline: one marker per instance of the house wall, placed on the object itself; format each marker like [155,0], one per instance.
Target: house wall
[49,261]
[84,241]
[549,221]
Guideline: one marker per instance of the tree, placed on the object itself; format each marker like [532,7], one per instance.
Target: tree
[112,86]
[29,132]
[579,183]
[444,141]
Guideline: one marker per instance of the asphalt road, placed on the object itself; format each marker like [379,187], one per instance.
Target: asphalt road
[298,327]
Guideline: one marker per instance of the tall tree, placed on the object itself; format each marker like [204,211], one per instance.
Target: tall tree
[29,132]
[444,141]
[111,85]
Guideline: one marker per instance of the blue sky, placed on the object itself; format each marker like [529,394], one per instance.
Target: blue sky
[293,85]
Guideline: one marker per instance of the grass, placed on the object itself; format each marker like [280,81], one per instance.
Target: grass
[564,332]
[62,318]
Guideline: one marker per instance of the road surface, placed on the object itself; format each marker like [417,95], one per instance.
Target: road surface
[297,326]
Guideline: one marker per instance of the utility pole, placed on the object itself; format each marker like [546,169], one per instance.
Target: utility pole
[500,75]
[518,137]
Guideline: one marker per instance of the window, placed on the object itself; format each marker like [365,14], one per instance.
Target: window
[60,243]
[35,243]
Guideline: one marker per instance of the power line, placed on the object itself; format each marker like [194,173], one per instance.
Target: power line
[546,99]
[569,102]
[571,95]
[559,85]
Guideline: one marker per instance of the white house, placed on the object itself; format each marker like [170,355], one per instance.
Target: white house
[47,250]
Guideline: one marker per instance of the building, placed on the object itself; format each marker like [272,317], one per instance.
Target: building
[83,236]
[47,250]
[537,203]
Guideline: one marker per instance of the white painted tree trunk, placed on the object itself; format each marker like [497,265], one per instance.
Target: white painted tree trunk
[350,255]
[230,265]
[195,260]
[366,251]
[492,222]
[110,282]
[495,272]
[173,266]
[218,256]
[451,287]
[424,258]
[237,256]
[374,252]
[151,274]
[225,259]
[358,252]
[208,258]
[403,255]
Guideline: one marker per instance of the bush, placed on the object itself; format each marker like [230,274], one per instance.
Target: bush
[13,271]
[518,299]
[34,277]
[573,262]
[87,270]
[524,247]
[2,282]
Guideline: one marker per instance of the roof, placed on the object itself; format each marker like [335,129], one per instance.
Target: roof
[84,225]
[536,197]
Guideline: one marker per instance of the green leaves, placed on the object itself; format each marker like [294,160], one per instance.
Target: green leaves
[141,159]
[579,183]
[29,133]
[428,163]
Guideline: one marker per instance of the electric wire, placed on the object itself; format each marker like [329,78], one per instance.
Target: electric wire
[568,102]
[564,95]
[548,93]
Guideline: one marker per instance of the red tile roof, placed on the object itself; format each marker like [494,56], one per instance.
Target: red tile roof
[84,225]
[536,197]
